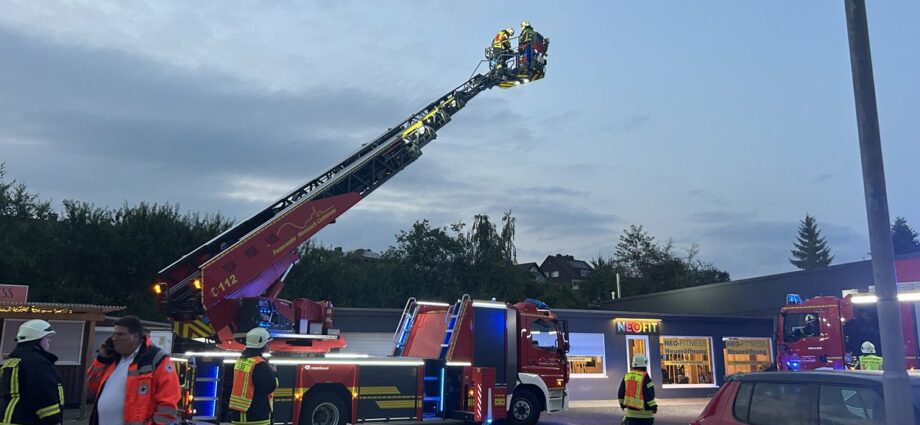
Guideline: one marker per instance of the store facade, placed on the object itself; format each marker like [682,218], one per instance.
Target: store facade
[689,355]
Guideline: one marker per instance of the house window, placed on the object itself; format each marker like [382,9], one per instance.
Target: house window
[586,355]
[584,273]
[554,273]
[686,361]
[743,355]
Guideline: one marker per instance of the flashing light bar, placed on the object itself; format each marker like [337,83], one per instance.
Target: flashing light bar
[459,364]
[346,356]
[868,299]
[228,354]
[490,304]
[433,303]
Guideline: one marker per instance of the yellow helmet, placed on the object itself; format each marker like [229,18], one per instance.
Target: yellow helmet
[509,30]
[525,24]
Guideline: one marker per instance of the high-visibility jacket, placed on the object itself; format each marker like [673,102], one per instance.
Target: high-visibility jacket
[151,391]
[501,41]
[254,381]
[870,362]
[637,395]
[30,387]
[526,36]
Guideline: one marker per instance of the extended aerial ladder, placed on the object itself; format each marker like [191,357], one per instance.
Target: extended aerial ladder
[229,284]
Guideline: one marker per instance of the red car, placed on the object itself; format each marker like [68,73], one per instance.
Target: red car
[838,397]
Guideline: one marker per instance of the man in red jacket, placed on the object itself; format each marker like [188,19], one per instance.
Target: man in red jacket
[134,381]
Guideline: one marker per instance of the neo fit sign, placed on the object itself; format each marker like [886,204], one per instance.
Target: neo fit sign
[637,326]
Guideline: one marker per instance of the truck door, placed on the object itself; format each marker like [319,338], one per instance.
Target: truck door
[812,338]
[541,346]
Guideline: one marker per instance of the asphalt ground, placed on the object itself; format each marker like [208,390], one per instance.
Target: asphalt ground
[602,412]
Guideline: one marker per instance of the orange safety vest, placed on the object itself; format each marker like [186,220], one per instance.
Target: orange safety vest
[634,398]
[243,387]
[501,41]
[152,389]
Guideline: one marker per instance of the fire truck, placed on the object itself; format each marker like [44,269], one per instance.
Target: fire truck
[513,366]
[827,331]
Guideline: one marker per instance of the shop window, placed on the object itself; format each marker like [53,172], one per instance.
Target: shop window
[800,325]
[586,355]
[686,361]
[743,355]
[67,342]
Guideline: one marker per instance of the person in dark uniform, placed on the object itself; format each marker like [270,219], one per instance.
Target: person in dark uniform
[30,386]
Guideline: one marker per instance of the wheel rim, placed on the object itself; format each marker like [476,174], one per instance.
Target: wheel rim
[521,410]
[326,414]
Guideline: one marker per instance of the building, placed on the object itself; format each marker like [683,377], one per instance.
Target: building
[565,269]
[534,271]
[763,296]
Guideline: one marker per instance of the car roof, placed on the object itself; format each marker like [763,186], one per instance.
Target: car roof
[870,377]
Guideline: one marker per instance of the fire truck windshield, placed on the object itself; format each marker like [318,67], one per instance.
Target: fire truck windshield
[800,325]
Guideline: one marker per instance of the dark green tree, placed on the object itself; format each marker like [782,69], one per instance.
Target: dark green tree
[903,237]
[810,249]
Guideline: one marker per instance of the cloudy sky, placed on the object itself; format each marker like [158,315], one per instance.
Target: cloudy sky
[718,123]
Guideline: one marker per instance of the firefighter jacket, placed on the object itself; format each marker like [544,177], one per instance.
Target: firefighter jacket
[151,391]
[502,41]
[254,382]
[526,37]
[637,395]
[870,362]
[30,387]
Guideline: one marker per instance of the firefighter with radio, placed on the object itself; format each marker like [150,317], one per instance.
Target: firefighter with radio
[254,381]
[637,394]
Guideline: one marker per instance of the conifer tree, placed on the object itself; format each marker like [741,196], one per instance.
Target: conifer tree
[810,249]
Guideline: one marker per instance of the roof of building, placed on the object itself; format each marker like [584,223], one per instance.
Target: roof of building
[569,268]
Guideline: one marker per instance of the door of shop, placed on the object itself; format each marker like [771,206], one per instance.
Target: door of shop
[636,344]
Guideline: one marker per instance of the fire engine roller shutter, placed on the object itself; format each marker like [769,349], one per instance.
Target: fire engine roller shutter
[387,392]
[376,344]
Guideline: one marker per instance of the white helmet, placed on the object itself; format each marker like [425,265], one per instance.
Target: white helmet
[868,348]
[639,360]
[34,329]
[257,338]
[510,31]
[525,24]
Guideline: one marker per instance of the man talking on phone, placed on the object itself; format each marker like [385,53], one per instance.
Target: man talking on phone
[134,381]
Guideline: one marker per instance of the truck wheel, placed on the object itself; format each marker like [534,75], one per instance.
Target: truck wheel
[323,409]
[525,409]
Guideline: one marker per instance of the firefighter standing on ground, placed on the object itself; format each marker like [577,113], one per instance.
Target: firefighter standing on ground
[637,394]
[254,382]
[868,360]
[30,386]
[134,381]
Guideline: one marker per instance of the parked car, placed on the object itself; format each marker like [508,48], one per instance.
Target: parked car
[833,397]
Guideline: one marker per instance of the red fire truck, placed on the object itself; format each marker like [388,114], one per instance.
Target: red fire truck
[513,366]
[827,331]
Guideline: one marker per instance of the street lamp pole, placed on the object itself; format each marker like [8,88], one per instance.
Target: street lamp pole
[895,381]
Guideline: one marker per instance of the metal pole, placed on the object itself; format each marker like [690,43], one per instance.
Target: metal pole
[895,382]
[619,293]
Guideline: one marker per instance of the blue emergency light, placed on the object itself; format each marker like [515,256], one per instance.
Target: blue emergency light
[793,299]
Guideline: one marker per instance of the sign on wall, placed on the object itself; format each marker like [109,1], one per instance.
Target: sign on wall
[637,326]
[14,293]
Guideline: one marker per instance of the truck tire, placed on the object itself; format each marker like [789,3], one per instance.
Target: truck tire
[525,408]
[324,408]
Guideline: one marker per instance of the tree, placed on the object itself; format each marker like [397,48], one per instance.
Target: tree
[903,238]
[810,249]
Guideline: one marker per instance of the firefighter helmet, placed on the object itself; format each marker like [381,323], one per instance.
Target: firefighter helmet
[639,360]
[525,24]
[510,31]
[257,338]
[34,329]
[867,348]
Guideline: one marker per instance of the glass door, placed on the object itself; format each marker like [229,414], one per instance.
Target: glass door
[636,344]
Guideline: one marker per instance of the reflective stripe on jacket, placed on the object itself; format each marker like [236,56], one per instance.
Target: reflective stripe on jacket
[501,41]
[637,395]
[30,387]
[870,362]
[254,383]
[151,391]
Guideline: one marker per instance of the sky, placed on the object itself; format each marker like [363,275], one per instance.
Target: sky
[716,124]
